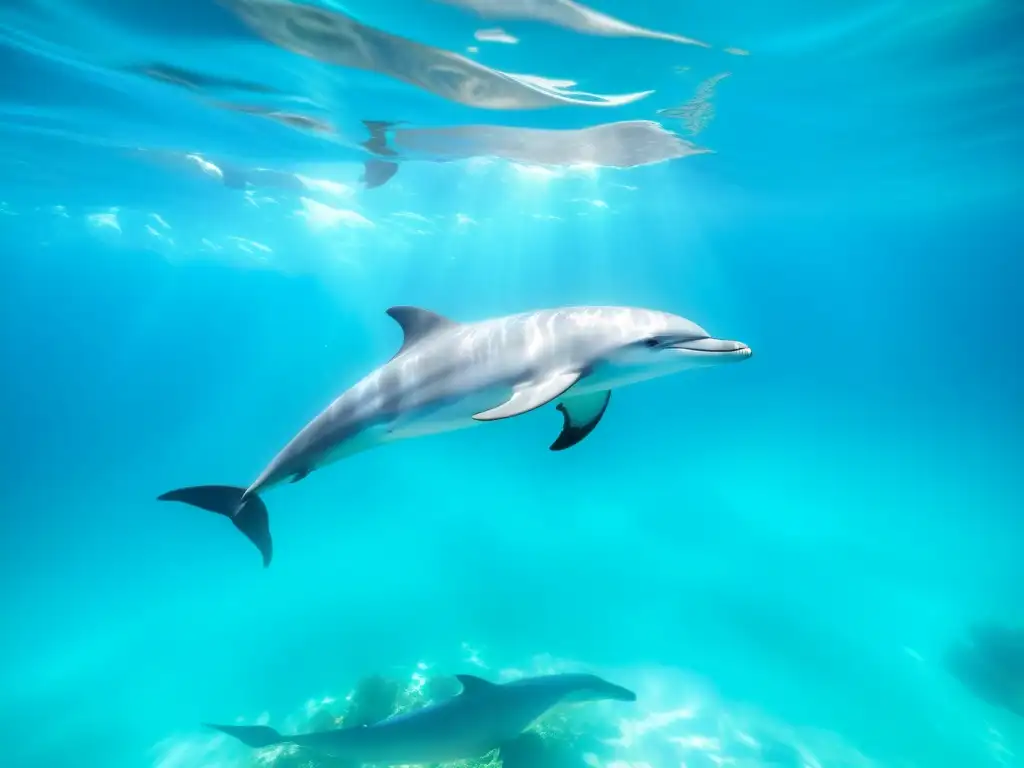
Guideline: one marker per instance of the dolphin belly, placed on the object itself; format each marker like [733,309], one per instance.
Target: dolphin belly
[448,415]
[398,751]
[363,440]
[607,377]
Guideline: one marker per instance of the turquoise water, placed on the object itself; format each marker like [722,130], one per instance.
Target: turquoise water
[776,556]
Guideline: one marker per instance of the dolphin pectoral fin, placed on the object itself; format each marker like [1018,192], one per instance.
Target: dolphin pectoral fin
[579,417]
[526,749]
[249,514]
[473,685]
[377,173]
[531,395]
[255,736]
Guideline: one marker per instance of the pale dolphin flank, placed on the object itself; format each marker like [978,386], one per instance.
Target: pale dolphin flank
[484,716]
[449,375]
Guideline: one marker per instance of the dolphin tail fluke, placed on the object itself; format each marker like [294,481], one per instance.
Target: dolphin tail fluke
[248,513]
[255,736]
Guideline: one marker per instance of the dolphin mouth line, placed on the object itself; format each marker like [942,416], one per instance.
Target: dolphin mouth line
[696,347]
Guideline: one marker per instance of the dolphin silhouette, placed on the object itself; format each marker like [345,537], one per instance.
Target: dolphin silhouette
[990,664]
[620,144]
[484,716]
[448,376]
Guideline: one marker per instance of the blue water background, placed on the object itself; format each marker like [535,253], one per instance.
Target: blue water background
[803,534]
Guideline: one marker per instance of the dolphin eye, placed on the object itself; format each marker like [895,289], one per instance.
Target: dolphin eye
[651,342]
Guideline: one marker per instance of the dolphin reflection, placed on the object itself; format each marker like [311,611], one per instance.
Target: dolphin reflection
[334,38]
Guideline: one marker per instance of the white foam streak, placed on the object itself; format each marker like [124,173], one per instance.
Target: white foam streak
[104,221]
[324,185]
[250,246]
[206,167]
[536,172]
[412,216]
[495,35]
[323,216]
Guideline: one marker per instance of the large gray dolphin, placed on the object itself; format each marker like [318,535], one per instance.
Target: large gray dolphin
[450,375]
[484,716]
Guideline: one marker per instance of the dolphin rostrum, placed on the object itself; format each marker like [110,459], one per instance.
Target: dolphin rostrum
[450,375]
[484,716]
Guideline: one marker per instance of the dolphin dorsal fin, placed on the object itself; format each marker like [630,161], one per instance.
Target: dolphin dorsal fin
[417,324]
[473,685]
